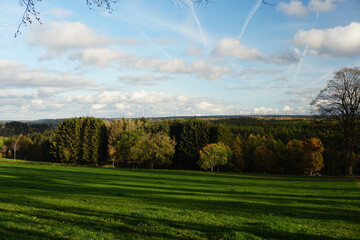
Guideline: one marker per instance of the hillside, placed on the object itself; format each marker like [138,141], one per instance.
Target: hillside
[54,202]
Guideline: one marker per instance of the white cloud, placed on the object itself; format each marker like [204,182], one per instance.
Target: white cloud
[204,107]
[143,79]
[58,37]
[14,74]
[231,47]
[100,57]
[265,111]
[153,103]
[341,41]
[296,8]
[60,12]
[9,64]
[103,57]
[285,57]
[162,102]
[287,108]
[193,51]
[97,106]
[122,106]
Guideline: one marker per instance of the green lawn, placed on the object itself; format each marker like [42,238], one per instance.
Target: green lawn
[60,202]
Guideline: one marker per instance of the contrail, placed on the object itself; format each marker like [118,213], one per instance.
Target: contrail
[304,52]
[203,38]
[248,18]
[157,45]
[300,63]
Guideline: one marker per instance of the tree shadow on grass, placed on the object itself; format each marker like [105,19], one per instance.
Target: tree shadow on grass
[162,192]
[140,226]
[41,178]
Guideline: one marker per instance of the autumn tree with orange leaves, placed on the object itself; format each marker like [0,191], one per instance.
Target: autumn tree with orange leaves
[313,159]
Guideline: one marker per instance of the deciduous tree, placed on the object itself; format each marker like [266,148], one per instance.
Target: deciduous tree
[214,154]
[238,155]
[312,158]
[154,149]
[340,99]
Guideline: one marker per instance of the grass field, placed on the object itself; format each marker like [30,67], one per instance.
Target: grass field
[60,202]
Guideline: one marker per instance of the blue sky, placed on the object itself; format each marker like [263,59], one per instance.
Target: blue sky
[157,58]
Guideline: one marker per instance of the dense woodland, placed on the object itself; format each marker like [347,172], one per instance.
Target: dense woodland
[254,145]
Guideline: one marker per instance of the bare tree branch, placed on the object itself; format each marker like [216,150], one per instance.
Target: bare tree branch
[31,13]
[340,100]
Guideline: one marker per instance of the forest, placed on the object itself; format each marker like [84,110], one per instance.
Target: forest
[301,146]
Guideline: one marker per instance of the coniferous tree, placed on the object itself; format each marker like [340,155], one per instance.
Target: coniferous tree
[194,136]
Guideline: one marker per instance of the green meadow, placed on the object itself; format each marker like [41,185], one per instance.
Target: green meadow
[42,201]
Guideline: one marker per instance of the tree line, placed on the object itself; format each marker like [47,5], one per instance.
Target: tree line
[292,146]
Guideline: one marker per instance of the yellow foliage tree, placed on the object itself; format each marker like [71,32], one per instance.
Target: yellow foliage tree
[239,163]
[214,154]
[264,159]
[313,159]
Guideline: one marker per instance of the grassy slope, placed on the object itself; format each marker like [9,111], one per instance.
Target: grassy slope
[57,202]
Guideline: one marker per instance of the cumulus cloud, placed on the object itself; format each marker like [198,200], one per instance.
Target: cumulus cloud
[152,103]
[104,57]
[58,37]
[200,68]
[298,9]
[287,108]
[265,111]
[100,57]
[15,74]
[231,47]
[341,41]
[295,8]
[45,94]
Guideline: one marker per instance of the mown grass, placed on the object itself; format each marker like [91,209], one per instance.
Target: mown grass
[60,202]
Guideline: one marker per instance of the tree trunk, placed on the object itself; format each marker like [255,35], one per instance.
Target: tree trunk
[217,168]
[212,168]
[152,165]
[348,160]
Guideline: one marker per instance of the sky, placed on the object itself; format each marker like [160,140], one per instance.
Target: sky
[158,58]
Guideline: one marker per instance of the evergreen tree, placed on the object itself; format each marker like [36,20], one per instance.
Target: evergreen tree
[194,136]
